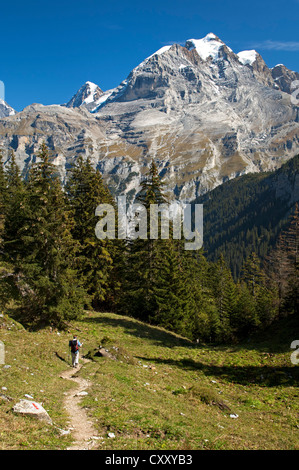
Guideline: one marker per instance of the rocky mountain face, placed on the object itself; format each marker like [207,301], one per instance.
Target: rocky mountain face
[89,95]
[284,78]
[202,112]
[5,109]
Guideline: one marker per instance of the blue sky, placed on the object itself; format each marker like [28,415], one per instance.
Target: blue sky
[49,49]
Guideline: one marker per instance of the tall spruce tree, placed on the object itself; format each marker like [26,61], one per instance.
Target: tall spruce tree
[151,191]
[261,309]
[2,195]
[292,245]
[38,240]
[14,208]
[224,293]
[5,267]
[203,313]
[157,277]
[276,266]
[12,200]
[171,289]
[142,257]
[283,265]
[85,191]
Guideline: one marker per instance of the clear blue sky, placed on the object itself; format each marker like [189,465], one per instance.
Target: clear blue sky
[49,49]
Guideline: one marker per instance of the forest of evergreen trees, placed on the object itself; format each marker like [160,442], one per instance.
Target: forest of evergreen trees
[52,266]
[247,213]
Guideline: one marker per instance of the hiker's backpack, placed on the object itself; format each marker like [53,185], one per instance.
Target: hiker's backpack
[74,345]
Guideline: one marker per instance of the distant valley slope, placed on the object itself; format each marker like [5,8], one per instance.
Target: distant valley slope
[246,214]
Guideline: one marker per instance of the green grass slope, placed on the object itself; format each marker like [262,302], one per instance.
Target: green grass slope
[159,392]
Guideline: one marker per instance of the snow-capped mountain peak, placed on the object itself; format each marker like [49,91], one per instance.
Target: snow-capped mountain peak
[92,90]
[86,96]
[204,113]
[5,109]
[247,57]
[209,46]
[159,52]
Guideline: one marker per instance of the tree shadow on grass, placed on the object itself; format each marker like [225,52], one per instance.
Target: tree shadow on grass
[263,375]
[63,359]
[153,334]
[277,338]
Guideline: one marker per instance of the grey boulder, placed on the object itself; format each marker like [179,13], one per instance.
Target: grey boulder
[33,409]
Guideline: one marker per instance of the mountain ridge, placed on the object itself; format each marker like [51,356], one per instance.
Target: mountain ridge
[198,111]
[5,109]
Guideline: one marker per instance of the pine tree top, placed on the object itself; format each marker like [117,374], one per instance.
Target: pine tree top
[151,188]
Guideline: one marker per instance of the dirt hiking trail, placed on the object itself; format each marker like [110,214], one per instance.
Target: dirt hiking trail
[81,427]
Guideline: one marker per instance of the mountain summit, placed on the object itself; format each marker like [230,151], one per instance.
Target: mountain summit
[5,109]
[89,96]
[208,47]
[203,112]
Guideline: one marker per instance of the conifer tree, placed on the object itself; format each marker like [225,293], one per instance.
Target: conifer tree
[157,275]
[151,191]
[2,195]
[246,320]
[13,174]
[142,257]
[39,242]
[171,290]
[291,266]
[12,197]
[276,266]
[224,292]
[14,207]
[251,274]
[5,267]
[282,266]
[203,316]
[262,303]
[86,190]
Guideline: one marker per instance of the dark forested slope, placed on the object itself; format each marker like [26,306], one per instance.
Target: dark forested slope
[246,214]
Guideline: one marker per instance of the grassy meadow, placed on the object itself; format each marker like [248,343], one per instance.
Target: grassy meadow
[158,392]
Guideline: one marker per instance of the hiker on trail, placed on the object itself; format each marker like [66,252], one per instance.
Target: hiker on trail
[75,344]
